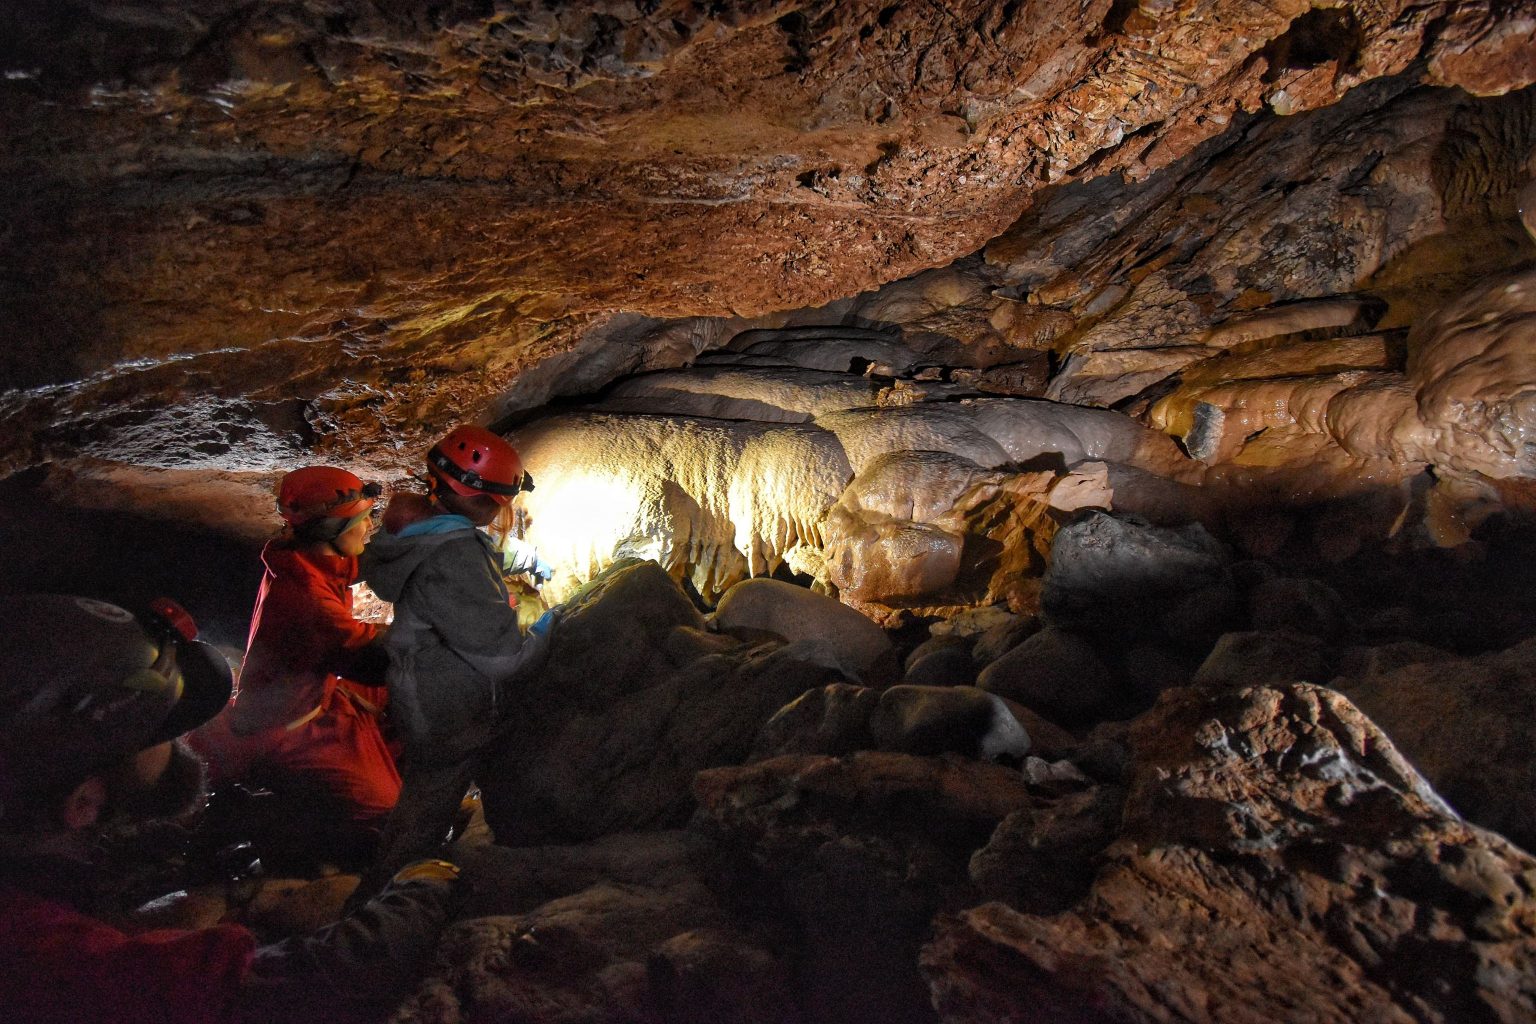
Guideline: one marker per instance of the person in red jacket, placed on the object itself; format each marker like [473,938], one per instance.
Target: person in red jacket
[305,717]
[92,702]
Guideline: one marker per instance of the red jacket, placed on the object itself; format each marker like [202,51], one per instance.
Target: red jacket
[303,637]
[56,964]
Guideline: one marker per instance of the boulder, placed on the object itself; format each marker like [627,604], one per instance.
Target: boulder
[926,720]
[939,719]
[1469,725]
[1046,738]
[832,720]
[634,700]
[1057,674]
[861,851]
[609,638]
[1150,669]
[937,642]
[1195,620]
[941,664]
[1118,573]
[627,765]
[1375,661]
[1004,637]
[1279,860]
[1104,754]
[973,621]
[1242,659]
[1042,859]
[588,934]
[847,640]
[1304,605]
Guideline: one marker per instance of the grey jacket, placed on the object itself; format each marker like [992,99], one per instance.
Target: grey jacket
[454,644]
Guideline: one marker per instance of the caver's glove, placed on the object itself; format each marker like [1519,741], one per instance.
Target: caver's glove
[520,556]
[375,952]
[545,623]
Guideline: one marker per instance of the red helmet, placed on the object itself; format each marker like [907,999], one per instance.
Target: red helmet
[472,460]
[320,492]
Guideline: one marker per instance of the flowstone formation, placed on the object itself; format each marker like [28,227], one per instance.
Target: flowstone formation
[923,502]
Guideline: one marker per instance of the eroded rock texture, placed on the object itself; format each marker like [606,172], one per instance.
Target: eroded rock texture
[1278,860]
[243,234]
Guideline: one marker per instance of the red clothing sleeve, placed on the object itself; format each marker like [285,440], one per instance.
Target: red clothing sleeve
[311,600]
[302,635]
[58,965]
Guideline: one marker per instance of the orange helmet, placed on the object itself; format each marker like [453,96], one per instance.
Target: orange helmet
[471,460]
[321,492]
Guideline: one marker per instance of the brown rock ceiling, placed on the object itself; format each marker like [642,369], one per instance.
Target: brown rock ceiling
[241,235]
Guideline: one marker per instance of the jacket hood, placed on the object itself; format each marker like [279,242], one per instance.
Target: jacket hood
[390,559]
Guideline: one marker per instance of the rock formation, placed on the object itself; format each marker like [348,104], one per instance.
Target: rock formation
[1278,858]
[245,235]
[1040,494]
[1239,853]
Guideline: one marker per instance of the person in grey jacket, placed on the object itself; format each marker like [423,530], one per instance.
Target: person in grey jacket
[454,648]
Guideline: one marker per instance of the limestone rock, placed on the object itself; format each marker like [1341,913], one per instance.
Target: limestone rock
[1243,659]
[629,923]
[1465,724]
[272,161]
[933,720]
[715,500]
[1473,376]
[1200,911]
[888,561]
[832,720]
[847,640]
[1104,568]
[1104,378]
[1057,674]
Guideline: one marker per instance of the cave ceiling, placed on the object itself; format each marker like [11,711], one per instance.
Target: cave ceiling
[240,236]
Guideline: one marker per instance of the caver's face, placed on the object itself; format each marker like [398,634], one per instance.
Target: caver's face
[351,541]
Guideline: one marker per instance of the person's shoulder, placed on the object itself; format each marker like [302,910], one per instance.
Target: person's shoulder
[405,509]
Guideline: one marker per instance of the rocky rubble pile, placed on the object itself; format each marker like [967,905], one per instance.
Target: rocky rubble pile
[736,816]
